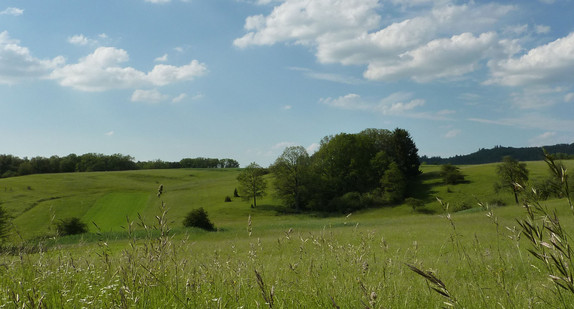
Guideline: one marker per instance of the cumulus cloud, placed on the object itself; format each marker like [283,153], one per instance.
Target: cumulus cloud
[18,64]
[350,33]
[149,96]
[350,101]
[547,64]
[102,70]
[161,59]
[12,11]
[439,58]
[82,40]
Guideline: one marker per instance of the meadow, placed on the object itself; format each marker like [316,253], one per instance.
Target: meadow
[138,254]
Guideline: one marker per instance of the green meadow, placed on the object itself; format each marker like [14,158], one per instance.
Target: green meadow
[137,253]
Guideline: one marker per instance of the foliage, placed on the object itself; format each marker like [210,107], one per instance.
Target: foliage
[512,176]
[497,154]
[71,226]
[291,176]
[251,182]
[375,162]
[200,219]
[451,174]
[414,203]
[93,162]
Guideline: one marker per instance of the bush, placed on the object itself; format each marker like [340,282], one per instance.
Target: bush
[198,218]
[227,199]
[71,226]
[414,203]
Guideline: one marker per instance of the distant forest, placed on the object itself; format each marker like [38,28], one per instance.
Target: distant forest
[11,166]
[496,154]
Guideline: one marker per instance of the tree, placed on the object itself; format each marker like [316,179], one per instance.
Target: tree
[451,174]
[198,218]
[290,171]
[71,226]
[512,175]
[394,184]
[251,182]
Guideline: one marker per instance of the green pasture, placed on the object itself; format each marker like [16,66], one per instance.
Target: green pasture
[267,257]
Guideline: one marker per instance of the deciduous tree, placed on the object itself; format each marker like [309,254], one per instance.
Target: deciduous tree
[290,170]
[512,174]
[251,182]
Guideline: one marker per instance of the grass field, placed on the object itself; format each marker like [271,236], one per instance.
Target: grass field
[263,257]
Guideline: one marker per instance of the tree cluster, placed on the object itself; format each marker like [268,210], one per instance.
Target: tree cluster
[348,172]
[497,154]
[93,162]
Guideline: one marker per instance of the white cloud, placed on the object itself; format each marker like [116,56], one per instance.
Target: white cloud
[110,133]
[546,64]
[78,40]
[82,40]
[12,11]
[437,59]
[18,64]
[287,107]
[350,101]
[148,96]
[542,29]
[569,97]
[102,71]
[161,59]
[311,149]
[158,1]
[452,133]
[546,138]
[350,33]
[179,98]
[399,103]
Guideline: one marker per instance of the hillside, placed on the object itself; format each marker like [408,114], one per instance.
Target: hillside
[36,202]
[496,154]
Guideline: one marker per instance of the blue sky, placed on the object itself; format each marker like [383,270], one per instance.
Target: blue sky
[161,79]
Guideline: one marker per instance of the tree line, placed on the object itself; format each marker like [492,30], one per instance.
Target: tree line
[93,162]
[349,171]
[498,153]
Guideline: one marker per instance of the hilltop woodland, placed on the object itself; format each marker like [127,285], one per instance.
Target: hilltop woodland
[349,172]
[11,166]
[498,153]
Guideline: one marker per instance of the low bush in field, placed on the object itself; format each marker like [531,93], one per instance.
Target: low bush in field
[71,226]
[200,219]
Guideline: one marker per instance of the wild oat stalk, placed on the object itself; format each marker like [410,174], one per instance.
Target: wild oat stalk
[268,297]
[436,284]
[549,240]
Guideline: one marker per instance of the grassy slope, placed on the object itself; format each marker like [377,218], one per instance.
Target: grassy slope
[338,259]
[107,198]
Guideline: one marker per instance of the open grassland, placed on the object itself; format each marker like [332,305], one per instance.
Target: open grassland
[264,257]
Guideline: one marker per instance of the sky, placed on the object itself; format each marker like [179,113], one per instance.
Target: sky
[243,79]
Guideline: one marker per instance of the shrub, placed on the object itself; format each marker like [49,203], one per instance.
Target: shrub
[415,203]
[198,218]
[71,226]
[227,199]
